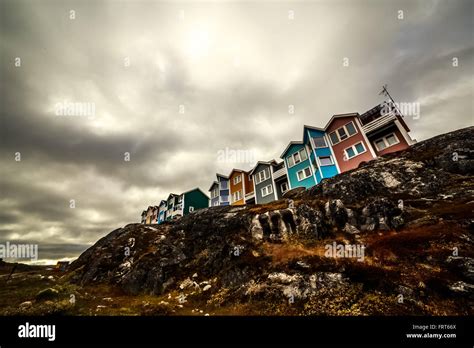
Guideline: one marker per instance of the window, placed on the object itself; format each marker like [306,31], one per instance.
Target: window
[350,152]
[342,133]
[359,148]
[297,157]
[290,161]
[380,144]
[215,193]
[391,139]
[237,179]
[215,204]
[319,142]
[351,129]
[304,173]
[267,190]
[354,150]
[386,141]
[223,185]
[334,138]
[262,175]
[304,157]
[284,187]
[225,198]
[326,160]
[237,196]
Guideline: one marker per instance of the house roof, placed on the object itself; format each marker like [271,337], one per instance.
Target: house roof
[213,184]
[353,114]
[171,195]
[236,170]
[305,127]
[222,176]
[271,162]
[194,189]
[289,145]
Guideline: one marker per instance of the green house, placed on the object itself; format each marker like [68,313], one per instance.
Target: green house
[186,203]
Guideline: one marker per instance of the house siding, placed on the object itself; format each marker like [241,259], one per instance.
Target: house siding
[248,183]
[196,199]
[292,171]
[278,187]
[236,187]
[259,199]
[402,145]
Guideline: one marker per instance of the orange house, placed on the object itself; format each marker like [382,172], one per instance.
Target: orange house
[241,187]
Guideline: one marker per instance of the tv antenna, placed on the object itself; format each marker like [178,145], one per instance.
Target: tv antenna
[385,92]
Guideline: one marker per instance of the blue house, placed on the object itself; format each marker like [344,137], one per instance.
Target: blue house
[309,161]
[219,191]
[320,153]
[162,208]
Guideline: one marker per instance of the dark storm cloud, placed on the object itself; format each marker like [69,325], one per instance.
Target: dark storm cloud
[234,67]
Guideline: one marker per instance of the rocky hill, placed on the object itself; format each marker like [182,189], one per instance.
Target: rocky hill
[412,212]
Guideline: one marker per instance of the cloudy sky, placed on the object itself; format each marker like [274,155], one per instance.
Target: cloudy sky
[175,84]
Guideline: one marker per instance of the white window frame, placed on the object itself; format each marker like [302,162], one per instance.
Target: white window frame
[299,156]
[268,189]
[281,187]
[235,194]
[336,131]
[303,171]
[325,165]
[258,178]
[384,139]
[353,147]
[237,179]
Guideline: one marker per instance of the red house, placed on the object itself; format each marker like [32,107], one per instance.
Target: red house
[361,138]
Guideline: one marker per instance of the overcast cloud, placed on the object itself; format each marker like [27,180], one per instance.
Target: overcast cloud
[234,67]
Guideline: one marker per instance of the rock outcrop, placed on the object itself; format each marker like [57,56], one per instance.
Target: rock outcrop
[412,211]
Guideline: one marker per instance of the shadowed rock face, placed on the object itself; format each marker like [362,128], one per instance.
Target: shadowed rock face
[422,186]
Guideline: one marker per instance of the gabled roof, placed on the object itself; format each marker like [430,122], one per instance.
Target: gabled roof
[194,189]
[163,202]
[353,114]
[305,127]
[221,176]
[213,184]
[171,195]
[236,170]
[271,162]
[289,145]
